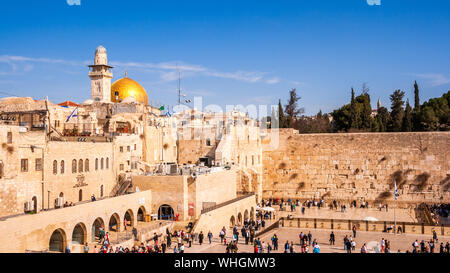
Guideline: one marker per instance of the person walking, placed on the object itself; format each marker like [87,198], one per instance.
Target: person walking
[210,236]
[354,231]
[332,239]
[200,238]
[86,248]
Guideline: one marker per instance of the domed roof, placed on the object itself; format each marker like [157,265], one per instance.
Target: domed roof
[100,49]
[88,102]
[127,87]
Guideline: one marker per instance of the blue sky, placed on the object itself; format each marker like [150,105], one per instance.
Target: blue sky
[232,52]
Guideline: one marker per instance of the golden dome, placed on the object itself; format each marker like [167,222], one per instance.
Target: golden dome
[127,87]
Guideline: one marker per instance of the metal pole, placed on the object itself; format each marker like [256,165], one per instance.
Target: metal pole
[395,220]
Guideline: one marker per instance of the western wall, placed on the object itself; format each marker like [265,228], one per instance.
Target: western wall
[359,166]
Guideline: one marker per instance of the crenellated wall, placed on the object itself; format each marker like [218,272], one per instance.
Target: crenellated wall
[360,166]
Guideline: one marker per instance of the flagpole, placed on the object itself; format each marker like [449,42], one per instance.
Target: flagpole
[395,207]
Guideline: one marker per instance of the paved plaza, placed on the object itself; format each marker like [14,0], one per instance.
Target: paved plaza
[400,242]
[401,215]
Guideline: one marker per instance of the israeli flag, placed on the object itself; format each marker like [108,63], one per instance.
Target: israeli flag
[168,114]
[74,114]
[396,191]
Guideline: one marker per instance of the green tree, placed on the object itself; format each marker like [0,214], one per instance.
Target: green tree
[407,125]
[416,113]
[281,119]
[354,117]
[383,119]
[291,108]
[397,112]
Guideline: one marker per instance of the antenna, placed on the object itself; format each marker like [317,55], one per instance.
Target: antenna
[179,86]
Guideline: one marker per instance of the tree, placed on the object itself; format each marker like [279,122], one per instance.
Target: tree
[354,120]
[383,119]
[407,125]
[416,98]
[416,113]
[291,108]
[397,112]
[281,119]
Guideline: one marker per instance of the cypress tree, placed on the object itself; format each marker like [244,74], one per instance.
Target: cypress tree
[416,113]
[353,115]
[281,118]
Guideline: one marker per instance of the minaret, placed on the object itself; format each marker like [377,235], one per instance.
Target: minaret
[101,75]
[379,104]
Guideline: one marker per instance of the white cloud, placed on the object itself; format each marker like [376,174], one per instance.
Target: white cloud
[434,79]
[73,2]
[273,80]
[168,71]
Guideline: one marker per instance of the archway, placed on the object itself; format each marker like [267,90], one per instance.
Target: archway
[57,241]
[165,212]
[34,200]
[141,214]
[98,223]
[129,217]
[232,221]
[246,215]
[239,219]
[252,214]
[114,223]
[79,234]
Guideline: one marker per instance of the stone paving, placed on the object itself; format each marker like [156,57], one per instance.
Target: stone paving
[400,242]
[402,215]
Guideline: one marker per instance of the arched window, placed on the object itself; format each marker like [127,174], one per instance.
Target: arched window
[62,167]
[86,165]
[107,162]
[55,167]
[80,195]
[74,166]
[101,163]
[80,165]
[101,191]
[96,164]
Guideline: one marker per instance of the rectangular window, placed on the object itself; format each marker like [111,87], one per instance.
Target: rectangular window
[9,137]
[135,147]
[24,165]
[128,162]
[121,167]
[121,149]
[128,148]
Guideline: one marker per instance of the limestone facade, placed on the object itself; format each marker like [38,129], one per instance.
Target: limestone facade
[358,166]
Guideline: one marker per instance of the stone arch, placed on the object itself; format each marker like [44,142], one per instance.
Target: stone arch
[165,212]
[239,219]
[96,225]
[232,221]
[141,214]
[252,213]
[246,215]
[57,242]
[129,216]
[114,223]
[79,234]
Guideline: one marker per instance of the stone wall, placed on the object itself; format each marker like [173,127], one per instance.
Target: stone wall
[33,232]
[181,191]
[361,166]
[226,216]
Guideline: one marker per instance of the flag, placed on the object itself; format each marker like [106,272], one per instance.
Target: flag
[396,191]
[168,114]
[74,114]
[161,108]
